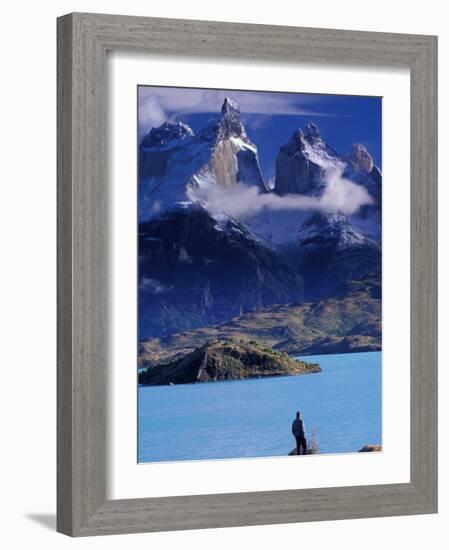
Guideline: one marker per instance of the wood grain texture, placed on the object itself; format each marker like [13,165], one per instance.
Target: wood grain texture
[83,40]
[64,277]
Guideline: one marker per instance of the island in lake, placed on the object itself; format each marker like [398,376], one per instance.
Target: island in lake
[226,360]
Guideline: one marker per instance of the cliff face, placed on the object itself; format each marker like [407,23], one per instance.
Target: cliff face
[196,271]
[303,162]
[225,360]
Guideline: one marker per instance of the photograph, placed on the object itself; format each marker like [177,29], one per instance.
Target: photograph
[259,265]
[224,259]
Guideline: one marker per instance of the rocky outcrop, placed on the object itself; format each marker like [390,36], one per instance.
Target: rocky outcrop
[225,360]
[361,170]
[365,449]
[370,449]
[359,159]
[310,451]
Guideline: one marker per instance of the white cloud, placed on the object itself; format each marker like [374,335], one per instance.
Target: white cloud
[151,114]
[343,195]
[154,286]
[155,103]
[240,201]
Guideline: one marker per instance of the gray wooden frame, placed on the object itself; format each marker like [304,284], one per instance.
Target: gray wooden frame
[83,40]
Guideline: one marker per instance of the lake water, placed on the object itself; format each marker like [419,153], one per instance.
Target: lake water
[252,418]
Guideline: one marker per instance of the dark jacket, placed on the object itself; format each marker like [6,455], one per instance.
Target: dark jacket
[298,428]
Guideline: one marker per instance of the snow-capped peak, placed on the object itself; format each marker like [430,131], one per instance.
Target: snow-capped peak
[331,229]
[316,151]
[230,124]
[310,144]
[165,134]
[176,166]
[304,163]
[230,106]
[311,132]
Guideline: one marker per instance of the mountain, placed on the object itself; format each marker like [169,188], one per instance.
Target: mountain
[195,270]
[329,248]
[306,165]
[175,165]
[349,322]
[360,169]
[330,252]
[225,360]
[256,248]
[304,162]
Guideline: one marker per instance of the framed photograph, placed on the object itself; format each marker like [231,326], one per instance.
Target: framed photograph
[247,281]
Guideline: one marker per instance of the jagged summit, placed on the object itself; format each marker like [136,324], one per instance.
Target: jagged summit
[176,166]
[303,162]
[310,135]
[230,106]
[306,164]
[166,133]
[230,124]
[360,159]
[311,132]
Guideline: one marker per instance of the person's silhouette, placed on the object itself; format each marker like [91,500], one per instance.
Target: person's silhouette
[299,432]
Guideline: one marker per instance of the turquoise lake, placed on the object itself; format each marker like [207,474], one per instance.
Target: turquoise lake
[252,418]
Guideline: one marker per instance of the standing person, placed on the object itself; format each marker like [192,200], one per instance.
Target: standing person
[299,432]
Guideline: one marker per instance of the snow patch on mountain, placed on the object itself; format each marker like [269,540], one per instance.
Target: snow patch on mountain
[316,151]
[174,162]
[219,170]
[306,165]
[304,162]
[331,229]
[166,136]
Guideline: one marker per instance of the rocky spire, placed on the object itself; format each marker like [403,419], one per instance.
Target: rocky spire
[230,107]
[230,119]
[311,132]
[360,159]
[302,163]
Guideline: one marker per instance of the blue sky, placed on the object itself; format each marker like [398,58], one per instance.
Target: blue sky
[271,118]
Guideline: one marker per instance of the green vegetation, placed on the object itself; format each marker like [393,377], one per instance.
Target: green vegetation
[225,360]
[334,325]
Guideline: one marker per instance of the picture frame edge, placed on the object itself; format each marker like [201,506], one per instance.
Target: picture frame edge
[82,508]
